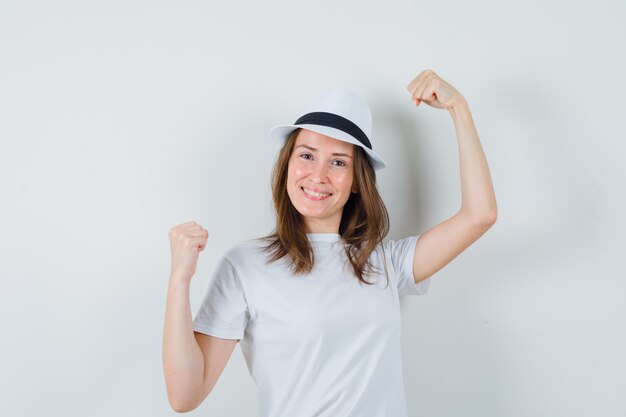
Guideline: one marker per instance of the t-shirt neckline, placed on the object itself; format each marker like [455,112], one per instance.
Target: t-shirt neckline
[323,237]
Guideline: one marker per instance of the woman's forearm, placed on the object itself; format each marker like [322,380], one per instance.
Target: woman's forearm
[183,362]
[478,197]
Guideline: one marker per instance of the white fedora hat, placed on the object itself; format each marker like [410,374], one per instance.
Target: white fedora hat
[341,114]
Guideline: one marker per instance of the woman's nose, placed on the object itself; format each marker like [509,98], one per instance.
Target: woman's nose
[319,171]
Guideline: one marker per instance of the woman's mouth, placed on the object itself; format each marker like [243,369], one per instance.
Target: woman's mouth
[312,195]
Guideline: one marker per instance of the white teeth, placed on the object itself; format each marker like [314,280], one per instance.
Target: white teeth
[313,193]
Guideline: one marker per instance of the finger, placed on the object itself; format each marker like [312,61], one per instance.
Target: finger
[200,246]
[182,228]
[191,227]
[415,99]
[420,86]
[197,242]
[429,92]
[182,234]
[419,91]
[199,232]
[417,80]
[413,85]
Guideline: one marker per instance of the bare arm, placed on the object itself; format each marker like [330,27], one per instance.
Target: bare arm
[183,361]
[442,243]
[192,362]
[478,200]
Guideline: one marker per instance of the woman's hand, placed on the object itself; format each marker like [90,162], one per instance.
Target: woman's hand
[186,242]
[434,91]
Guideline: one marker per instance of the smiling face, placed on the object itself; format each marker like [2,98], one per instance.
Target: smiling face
[319,179]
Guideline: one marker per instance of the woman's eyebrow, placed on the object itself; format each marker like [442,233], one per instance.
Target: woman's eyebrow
[315,150]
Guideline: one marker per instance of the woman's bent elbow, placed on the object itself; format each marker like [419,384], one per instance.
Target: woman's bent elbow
[182,400]
[182,406]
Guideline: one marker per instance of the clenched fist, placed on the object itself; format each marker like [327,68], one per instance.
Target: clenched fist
[430,88]
[186,242]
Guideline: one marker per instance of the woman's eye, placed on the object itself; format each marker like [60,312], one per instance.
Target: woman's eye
[308,156]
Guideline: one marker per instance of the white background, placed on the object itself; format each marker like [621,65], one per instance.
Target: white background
[121,119]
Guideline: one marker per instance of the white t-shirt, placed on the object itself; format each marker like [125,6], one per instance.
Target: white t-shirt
[321,344]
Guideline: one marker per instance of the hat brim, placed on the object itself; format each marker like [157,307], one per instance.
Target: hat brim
[279,134]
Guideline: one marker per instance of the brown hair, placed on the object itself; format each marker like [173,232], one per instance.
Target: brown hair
[364,222]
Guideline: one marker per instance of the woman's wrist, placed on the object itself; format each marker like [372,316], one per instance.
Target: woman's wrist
[459,109]
[179,281]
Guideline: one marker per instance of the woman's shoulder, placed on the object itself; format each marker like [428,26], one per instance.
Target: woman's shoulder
[246,250]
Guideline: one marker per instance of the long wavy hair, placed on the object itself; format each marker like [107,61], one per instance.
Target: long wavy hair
[364,221]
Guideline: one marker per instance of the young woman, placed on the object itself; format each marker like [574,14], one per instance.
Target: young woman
[315,304]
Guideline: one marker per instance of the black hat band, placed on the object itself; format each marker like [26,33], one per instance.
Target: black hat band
[336,121]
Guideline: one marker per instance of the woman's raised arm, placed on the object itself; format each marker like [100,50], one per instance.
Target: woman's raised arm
[192,362]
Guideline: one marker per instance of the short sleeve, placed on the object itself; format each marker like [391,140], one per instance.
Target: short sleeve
[401,252]
[224,311]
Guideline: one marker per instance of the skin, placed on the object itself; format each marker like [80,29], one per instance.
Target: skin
[313,165]
[440,244]
[193,362]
